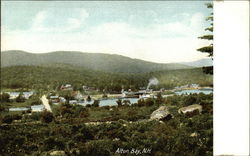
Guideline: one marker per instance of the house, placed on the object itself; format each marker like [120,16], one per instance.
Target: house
[54,99]
[81,102]
[162,89]
[27,95]
[62,100]
[66,87]
[78,96]
[90,89]
[72,101]
[14,95]
[194,86]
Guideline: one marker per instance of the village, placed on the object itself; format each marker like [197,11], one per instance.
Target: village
[67,95]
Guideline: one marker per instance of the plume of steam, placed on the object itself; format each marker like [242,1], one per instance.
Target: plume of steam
[152,81]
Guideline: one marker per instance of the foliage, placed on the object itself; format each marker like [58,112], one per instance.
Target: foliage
[98,62]
[208,49]
[47,117]
[119,102]
[96,103]
[20,98]
[50,78]
[88,98]
[4,97]
[180,135]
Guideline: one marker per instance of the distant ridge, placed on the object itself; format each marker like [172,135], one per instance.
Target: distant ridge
[94,61]
[199,63]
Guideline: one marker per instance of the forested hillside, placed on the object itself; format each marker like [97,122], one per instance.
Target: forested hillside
[94,61]
[52,76]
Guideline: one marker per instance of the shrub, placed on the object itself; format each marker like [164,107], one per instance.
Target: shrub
[119,102]
[149,102]
[4,97]
[7,119]
[53,143]
[16,117]
[88,98]
[126,102]
[35,116]
[47,117]
[141,102]
[96,103]
[20,98]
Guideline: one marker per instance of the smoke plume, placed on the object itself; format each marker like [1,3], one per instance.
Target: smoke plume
[152,81]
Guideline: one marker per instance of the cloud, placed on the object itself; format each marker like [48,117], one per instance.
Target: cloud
[158,42]
[38,21]
[63,22]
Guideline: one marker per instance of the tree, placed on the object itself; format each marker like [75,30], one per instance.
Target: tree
[119,102]
[96,103]
[126,102]
[47,117]
[5,97]
[208,49]
[88,98]
[20,98]
[159,98]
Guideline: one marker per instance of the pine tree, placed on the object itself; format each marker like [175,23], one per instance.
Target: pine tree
[208,49]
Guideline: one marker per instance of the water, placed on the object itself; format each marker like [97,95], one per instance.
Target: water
[37,108]
[34,108]
[110,102]
[197,91]
[19,109]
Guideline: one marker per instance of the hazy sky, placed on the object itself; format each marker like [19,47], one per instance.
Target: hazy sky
[158,31]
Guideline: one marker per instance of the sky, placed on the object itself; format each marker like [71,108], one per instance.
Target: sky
[156,31]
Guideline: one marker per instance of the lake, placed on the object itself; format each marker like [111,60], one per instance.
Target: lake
[110,102]
[34,108]
[197,91]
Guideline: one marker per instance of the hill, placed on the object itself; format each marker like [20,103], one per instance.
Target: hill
[199,63]
[94,61]
[52,76]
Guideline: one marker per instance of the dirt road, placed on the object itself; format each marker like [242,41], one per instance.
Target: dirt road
[46,103]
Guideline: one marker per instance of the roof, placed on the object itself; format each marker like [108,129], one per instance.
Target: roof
[53,97]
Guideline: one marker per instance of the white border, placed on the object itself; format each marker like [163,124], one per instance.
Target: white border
[231,78]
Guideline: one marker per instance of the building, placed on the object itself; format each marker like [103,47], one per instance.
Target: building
[62,100]
[54,99]
[72,101]
[66,87]
[14,95]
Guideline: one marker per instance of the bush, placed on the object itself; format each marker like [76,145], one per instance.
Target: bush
[4,97]
[7,119]
[149,102]
[20,98]
[88,98]
[53,143]
[141,102]
[35,116]
[16,117]
[189,100]
[98,147]
[47,117]
[126,102]
[96,103]
[119,102]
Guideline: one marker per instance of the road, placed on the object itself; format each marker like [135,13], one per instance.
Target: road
[46,103]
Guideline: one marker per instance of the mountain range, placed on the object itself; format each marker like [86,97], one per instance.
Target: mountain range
[199,63]
[94,61]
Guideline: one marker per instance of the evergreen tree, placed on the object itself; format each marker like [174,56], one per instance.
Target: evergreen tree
[208,49]
[20,98]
